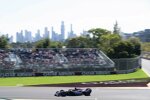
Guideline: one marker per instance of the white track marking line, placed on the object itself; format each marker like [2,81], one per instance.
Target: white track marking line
[146,71]
[61,98]
[95,99]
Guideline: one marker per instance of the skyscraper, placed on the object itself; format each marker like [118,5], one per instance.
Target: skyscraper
[19,37]
[71,33]
[53,34]
[37,36]
[11,39]
[28,36]
[46,33]
[62,31]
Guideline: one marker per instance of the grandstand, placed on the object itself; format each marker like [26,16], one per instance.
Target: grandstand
[65,61]
[55,61]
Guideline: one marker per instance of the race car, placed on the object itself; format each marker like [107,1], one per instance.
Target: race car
[74,92]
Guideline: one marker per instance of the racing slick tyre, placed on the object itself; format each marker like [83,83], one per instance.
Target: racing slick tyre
[87,92]
[63,93]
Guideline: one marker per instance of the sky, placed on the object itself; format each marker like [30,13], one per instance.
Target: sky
[17,15]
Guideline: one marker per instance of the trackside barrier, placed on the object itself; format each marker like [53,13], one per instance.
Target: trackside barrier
[127,65]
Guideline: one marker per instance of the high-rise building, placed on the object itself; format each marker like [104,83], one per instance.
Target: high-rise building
[46,33]
[28,36]
[55,36]
[10,39]
[37,36]
[62,37]
[17,36]
[71,33]
[20,37]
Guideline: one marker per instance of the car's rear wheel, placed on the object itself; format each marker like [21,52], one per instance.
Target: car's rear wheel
[87,92]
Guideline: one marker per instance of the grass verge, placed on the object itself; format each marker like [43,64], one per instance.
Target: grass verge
[14,81]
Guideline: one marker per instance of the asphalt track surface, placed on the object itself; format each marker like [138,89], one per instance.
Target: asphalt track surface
[146,66]
[98,93]
[47,93]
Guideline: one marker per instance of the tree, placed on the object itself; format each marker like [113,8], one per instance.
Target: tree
[137,45]
[146,46]
[3,42]
[79,42]
[97,33]
[44,43]
[116,28]
[56,44]
[22,45]
[111,44]
[107,42]
[123,49]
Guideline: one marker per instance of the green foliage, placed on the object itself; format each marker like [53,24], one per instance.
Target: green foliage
[22,45]
[116,29]
[146,46]
[97,32]
[113,45]
[3,42]
[123,49]
[137,45]
[79,42]
[107,42]
[44,43]
[110,44]
[56,44]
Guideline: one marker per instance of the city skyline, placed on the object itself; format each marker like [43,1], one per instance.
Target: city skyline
[27,36]
[132,15]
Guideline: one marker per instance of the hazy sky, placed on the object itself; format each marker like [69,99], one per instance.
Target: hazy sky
[16,15]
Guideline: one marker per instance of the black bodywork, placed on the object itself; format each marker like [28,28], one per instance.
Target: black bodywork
[74,92]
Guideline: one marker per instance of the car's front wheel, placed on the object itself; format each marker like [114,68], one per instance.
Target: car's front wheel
[63,93]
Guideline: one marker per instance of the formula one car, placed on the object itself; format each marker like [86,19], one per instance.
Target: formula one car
[74,92]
